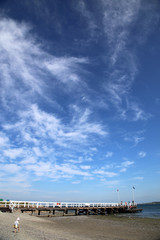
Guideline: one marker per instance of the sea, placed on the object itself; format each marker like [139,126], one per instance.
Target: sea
[149,211]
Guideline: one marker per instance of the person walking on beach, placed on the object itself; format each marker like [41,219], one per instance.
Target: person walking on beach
[17,225]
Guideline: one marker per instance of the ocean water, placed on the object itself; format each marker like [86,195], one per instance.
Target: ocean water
[149,211]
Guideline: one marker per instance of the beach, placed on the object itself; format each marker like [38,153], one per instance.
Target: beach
[78,227]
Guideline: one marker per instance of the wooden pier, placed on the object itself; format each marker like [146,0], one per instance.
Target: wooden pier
[52,209]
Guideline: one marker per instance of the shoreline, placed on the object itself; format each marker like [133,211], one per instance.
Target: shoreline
[78,227]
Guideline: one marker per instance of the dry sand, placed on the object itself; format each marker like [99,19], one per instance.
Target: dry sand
[78,228]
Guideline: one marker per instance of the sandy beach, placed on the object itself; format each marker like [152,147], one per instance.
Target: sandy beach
[78,227]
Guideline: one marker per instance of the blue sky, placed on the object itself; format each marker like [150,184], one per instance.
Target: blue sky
[80,100]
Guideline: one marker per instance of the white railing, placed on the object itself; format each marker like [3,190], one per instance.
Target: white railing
[12,204]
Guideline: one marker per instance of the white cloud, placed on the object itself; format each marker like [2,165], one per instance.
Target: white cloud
[45,126]
[138,113]
[138,140]
[71,170]
[37,152]
[105,173]
[136,137]
[139,178]
[127,163]
[85,167]
[117,20]
[4,140]
[124,165]
[109,154]
[13,153]
[76,182]
[120,14]
[10,168]
[41,168]
[28,160]
[123,170]
[81,7]
[55,171]
[110,183]
[31,70]
[65,68]
[142,154]
[80,160]
[109,166]
[48,132]
[14,179]
[94,149]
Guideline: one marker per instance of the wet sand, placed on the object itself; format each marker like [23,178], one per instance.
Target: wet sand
[78,227]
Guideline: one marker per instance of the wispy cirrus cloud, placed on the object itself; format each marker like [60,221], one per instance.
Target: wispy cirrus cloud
[119,20]
[45,132]
[25,64]
[116,23]
[56,171]
[76,182]
[109,154]
[142,154]
[37,123]
[134,137]
[125,165]
[138,113]
[101,172]
[40,169]
[138,178]
[34,71]
[81,7]
[110,184]
[31,134]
